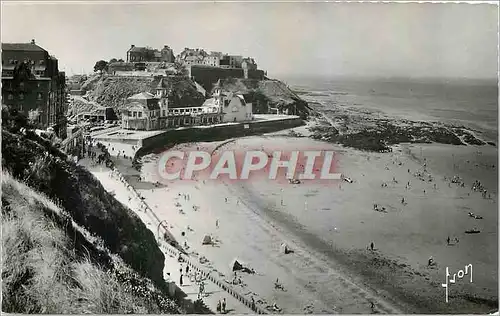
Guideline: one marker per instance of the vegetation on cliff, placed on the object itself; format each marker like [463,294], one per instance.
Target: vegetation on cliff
[113,91]
[53,265]
[45,169]
[68,245]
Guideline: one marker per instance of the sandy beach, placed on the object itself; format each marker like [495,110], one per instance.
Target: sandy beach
[329,227]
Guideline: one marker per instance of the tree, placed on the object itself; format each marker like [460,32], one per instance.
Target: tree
[101,66]
[113,60]
[121,60]
[181,69]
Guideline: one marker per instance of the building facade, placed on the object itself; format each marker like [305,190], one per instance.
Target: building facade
[233,106]
[33,85]
[142,112]
[192,56]
[147,54]
[213,59]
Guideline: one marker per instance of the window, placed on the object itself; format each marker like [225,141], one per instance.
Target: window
[140,114]
[134,114]
[226,103]
[164,113]
[39,96]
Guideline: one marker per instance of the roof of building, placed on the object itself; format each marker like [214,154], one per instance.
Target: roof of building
[26,47]
[142,96]
[137,49]
[209,102]
[150,107]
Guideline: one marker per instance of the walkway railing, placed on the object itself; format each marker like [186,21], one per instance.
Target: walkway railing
[177,253]
[70,139]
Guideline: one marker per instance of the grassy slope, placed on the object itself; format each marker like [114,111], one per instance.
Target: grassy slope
[46,170]
[52,265]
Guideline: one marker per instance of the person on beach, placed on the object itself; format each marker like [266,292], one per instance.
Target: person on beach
[180,281]
[372,246]
[225,199]
[224,305]
[187,269]
[430,262]
[253,303]
[403,200]
[218,306]
[448,240]
[217,223]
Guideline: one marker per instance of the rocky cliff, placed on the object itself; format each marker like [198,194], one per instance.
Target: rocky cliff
[113,91]
[268,93]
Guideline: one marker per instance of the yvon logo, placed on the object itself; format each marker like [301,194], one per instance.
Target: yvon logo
[244,165]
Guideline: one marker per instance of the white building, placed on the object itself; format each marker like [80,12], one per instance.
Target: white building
[232,106]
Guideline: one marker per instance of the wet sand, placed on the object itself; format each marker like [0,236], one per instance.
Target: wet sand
[331,270]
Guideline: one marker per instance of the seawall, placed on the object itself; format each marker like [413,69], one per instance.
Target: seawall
[214,133]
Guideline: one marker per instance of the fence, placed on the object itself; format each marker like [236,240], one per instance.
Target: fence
[177,253]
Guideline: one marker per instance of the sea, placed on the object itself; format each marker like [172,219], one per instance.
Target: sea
[472,103]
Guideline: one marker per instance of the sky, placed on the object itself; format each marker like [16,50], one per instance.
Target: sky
[286,39]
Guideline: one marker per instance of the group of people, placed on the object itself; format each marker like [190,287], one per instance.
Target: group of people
[448,240]
[221,306]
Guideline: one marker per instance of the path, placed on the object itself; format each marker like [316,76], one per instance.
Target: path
[215,289]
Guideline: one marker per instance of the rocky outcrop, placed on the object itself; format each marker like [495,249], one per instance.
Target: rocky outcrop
[267,93]
[113,91]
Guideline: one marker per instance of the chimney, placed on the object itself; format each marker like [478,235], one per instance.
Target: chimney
[132,46]
[33,41]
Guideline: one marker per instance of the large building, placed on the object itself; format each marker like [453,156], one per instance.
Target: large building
[33,84]
[142,112]
[146,54]
[192,56]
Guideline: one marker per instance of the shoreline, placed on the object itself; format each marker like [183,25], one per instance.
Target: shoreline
[383,273]
[362,257]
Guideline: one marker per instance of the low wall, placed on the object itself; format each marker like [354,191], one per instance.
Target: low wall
[103,139]
[207,76]
[214,133]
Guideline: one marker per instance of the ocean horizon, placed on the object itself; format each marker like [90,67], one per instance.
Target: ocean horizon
[472,103]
